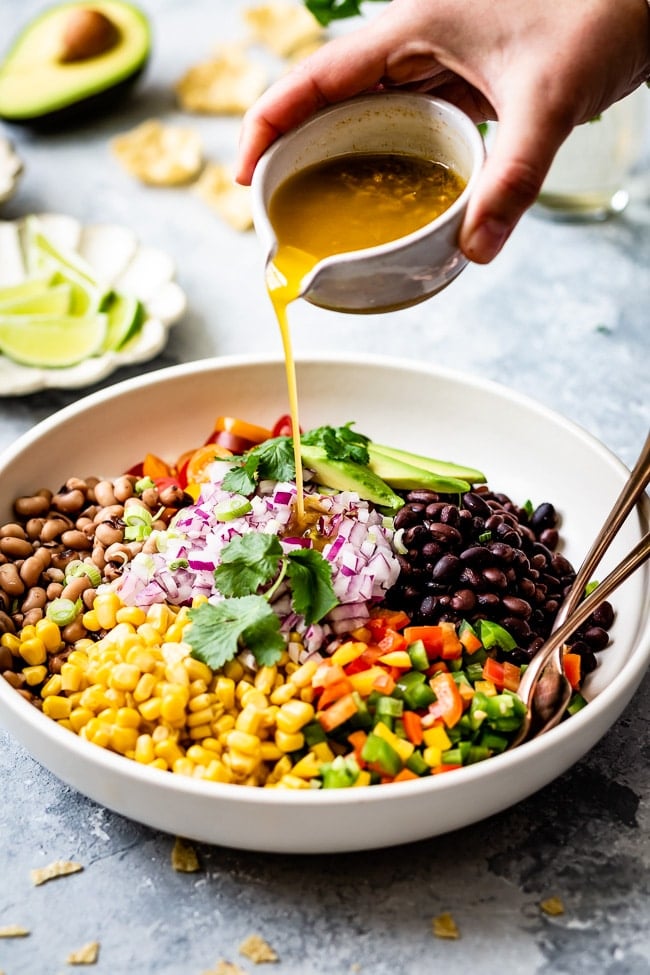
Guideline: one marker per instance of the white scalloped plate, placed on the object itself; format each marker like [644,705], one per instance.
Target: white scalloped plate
[120,261]
[11,169]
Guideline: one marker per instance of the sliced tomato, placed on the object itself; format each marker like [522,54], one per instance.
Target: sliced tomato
[241,428]
[201,459]
[231,442]
[153,467]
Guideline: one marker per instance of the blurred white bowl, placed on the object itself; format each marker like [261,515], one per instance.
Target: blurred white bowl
[519,445]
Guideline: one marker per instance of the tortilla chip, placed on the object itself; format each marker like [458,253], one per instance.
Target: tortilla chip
[14,931]
[232,202]
[282,26]
[225,968]
[257,949]
[226,84]
[184,858]
[160,155]
[552,906]
[60,868]
[87,955]
[444,926]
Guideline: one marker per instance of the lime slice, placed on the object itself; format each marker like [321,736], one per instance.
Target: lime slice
[125,317]
[55,300]
[51,342]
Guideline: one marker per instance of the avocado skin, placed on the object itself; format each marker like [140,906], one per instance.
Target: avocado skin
[347,476]
[81,112]
[381,456]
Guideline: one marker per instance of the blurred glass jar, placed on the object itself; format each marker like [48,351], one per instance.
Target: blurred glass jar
[591,173]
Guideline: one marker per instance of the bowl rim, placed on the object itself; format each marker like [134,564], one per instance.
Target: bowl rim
[620,689]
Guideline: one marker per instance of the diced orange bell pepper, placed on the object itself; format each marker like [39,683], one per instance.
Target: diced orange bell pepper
[511,676]
[333,692]
[413,727]
[493,671]
[448,704]
[431,637]
[337,713]
[452,648]
[571,662]
[241,428]
[153,467]
[405,775]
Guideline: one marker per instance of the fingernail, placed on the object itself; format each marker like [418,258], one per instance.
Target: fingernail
[487,240]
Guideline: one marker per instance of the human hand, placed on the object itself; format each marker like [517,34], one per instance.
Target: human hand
[539,67]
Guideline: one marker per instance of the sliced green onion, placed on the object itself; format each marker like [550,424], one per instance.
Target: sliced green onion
[77,568]
[143,485]
[178,564]
[485,537]
[139,522]
[233,507]
[63,611]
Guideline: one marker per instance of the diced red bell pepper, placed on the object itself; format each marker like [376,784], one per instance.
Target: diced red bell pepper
[448,704]
[413,727]
[493,671]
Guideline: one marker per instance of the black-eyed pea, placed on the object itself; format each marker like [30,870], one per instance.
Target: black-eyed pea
[88,597]
[32,616]
[12,530]
[10,580]
[74,631]
[69,502]
[53,591]
[54,527]
[124,487]
[98,557]
[7,625]
[107,533]
[6,659]
[117,553]
[32,506]
[75,587]
[31,570]
[150,497]
[34,527]
[17,680]
[73,538]
[85,523]
[16,548]
[53,574]
[76,484]
[111,512]
[104,493]
[36,598]
[62,557]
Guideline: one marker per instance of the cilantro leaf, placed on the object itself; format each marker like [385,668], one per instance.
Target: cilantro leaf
[325,11]
[339,443]
[219,631]
[248,562]
[272,460]
[310,576]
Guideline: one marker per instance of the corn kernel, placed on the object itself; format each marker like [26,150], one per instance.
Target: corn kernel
[49,633]
[142,658]
[134,615]
[183,766]
[197,718]
[33,651]
[92,698]
[35,675]
[322,751]
[242,742]
[91,622]
[200,755]
[159,763]
[199,702]
[79,717]
[293,716]
[241,763]
[242,687]
[11,642]
[160,616]
[151,709]
[213,745]
[292,782]
[173,707]
[302,677]
[233,670]
[144,688]
[105,607]
[289,742]
[97,733]
[197,670]
[269,751]
[249,720]
[307,694]
[148,635]
[128,718]
[284,693]
[124,739]
[216,771]
[144,750]
[78,658]
[53,686]
[200,731]
[71,677]
[56,707]
[225,691]
[223,725]
[265,679]
[168,750]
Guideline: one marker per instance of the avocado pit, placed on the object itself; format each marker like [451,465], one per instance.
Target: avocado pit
[88,33]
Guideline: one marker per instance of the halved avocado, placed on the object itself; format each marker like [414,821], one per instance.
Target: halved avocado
[73,61]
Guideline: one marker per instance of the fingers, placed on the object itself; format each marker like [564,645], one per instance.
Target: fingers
[342,68]
[512,177]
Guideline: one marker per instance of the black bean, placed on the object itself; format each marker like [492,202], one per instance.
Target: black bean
[445,533]
[517,607]
[494,577]
[544,516]
[463,601]
[475,503]
[446,568]
[477,555]
[408,515]
[596,637]
[603,615]
[422,496]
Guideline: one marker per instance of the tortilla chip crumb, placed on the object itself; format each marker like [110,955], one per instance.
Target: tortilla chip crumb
[257,949]
[552,906]
[355,967]
[225,968]
[226,84]
[160,155]
[232,202]
[60,868]
[13,931]
[184,858]
[282,26]
[444,926]
[87,955]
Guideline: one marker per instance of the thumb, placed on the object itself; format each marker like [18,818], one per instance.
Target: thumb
[511,179]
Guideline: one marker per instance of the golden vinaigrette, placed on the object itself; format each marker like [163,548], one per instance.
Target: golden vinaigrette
[346,203]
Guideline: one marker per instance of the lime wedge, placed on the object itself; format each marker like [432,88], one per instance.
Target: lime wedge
[43,255]
[26,289]
[55,300]
[51,342]
[125,317]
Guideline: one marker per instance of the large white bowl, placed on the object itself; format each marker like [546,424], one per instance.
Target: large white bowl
[527,452]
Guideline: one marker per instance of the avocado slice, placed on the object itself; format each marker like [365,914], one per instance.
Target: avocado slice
[406,471]
[345,475]
[45,79]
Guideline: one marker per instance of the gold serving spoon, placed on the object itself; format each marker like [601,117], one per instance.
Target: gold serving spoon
[544,687]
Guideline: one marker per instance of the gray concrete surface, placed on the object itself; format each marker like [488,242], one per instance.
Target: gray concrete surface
[561,315]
